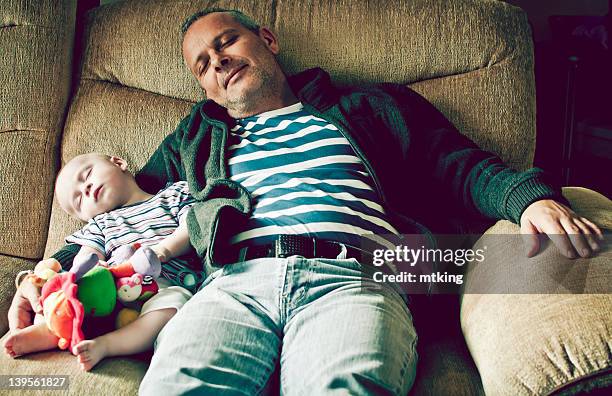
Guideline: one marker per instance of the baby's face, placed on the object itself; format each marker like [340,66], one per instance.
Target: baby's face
[91,184]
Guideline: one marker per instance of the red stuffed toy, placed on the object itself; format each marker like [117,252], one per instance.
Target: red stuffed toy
[62,309]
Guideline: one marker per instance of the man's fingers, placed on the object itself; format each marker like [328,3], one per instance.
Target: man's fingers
[24,320]
[558,236]
[32,294]
[574,231]
[35,304]
[589,234]
[19,314]
[593,227]
[530,238]
[569,232]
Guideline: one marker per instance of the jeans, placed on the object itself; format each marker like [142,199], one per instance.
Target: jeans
[318,322]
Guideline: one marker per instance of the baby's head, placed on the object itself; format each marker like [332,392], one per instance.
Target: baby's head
[91,184]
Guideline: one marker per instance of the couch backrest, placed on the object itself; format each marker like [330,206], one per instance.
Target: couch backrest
[35,70]
[471,58]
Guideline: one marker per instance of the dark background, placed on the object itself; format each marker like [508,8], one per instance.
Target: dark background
[573,55]
[573,70]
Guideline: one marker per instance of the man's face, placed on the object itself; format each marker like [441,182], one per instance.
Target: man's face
[91,184]
[235,67]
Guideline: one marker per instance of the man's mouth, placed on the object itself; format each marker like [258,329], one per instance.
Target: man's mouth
[231,75]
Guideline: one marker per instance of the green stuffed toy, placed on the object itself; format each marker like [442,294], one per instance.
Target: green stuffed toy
[97,292]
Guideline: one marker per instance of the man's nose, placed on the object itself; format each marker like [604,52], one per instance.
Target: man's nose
[220,62]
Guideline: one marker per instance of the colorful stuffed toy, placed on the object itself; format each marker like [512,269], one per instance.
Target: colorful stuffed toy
[90,289]
[135,288]
[62,309]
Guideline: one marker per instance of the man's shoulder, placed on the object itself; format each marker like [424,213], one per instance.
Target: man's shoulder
[378,96]
[377,89]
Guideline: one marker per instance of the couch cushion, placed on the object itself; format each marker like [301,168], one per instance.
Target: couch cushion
[534,344]
[114,376]
[472,59]
[540,343]
[446,368]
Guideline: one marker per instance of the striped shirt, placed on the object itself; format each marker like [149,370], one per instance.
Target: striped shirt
[304,178]
[147,223]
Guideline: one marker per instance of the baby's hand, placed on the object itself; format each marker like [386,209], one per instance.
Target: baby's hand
[163,254]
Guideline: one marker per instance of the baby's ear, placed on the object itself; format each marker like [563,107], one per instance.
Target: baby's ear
[120,162]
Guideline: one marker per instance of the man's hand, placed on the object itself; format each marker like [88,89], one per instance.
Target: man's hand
[569,232]
[24,306]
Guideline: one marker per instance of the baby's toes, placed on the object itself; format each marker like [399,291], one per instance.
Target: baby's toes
[83,357]
[9,351]
[86,366]
[8,346]
[80,348]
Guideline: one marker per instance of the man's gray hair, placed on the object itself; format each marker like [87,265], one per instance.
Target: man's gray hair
[238,16]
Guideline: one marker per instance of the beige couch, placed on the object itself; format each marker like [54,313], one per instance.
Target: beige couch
[471,58]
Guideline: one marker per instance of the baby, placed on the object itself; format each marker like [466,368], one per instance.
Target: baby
[100,190]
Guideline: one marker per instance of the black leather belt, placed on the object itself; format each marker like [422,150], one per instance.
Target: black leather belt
[298,245]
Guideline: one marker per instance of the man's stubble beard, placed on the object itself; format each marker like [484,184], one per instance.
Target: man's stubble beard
[249,99]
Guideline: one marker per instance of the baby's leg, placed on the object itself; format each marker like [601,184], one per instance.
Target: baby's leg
[33,338]
[136,337]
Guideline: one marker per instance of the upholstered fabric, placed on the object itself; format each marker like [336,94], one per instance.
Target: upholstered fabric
[118,376]
[445,366]
[471,58]
[527,344]
[479,50]
[35,69]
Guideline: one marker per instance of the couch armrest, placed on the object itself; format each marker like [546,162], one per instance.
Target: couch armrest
[526,344]
[590,204]
[9,268]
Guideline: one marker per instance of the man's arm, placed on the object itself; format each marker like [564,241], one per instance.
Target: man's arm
[482,182]
[23,306]
[66,255]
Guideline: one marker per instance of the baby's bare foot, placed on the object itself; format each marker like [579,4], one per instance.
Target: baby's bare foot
[30,339]
[90,352]
[8,346]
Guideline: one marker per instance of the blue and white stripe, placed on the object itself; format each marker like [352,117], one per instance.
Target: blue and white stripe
[304,177]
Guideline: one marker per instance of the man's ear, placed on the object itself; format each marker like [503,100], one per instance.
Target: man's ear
[269,40]
[120,162]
